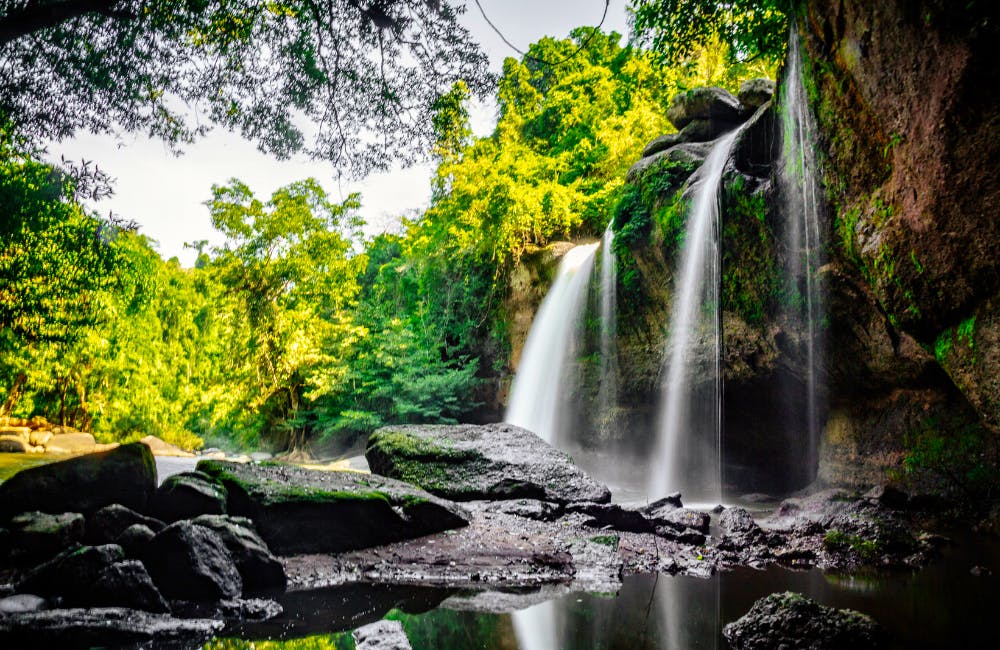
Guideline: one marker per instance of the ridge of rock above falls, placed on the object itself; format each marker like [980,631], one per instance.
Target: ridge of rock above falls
[466,462]
[298,510]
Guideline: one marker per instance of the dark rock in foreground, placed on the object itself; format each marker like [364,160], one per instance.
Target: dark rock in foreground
[790,620]
[41,535]
[187,495]
[260,570]
[107,524]
[102,627]
[125,475]
[297,510]
[468,462]
[190,562]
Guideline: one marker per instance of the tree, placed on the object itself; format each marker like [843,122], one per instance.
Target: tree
[365,73]
[675,29]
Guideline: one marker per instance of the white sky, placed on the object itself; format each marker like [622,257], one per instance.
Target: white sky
[165,194]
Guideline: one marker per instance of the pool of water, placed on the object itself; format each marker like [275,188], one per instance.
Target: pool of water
[941,606]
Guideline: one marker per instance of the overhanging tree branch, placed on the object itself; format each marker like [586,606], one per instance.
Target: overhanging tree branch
[35,16]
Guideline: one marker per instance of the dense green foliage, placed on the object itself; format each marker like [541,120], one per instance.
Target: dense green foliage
[166,68]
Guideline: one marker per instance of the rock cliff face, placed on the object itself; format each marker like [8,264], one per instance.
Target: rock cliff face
[905,95]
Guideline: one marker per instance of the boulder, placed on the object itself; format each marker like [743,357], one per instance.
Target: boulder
[41,535]
[22,604]
[790,620]
[612,515]
[662,143]
[126,475]
[381,635]
[189,562]
[71,574]
[754,93]
[685,152]
[187,495]
[681,519]
[134,538]
[705,130]
[39,438]
[493,461]
[298,510]
[162,448]
[107,524]
[738,521]
[12,444]
[104,627]
[259,568]
[75,442]
[126,584]
[706,103]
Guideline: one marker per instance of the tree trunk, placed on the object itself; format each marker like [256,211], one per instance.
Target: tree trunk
[13,395]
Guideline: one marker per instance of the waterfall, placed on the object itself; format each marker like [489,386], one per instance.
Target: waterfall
[607,398]
[687,455]
[540,387]
[798,183]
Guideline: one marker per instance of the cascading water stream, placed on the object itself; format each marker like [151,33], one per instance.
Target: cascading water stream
[687,456]
[538,395]
[798,180]
[608,393]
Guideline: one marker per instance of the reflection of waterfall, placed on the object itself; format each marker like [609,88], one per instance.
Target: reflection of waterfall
[539,393]
[535,627]
[799,191]
[688,449]
[607,398]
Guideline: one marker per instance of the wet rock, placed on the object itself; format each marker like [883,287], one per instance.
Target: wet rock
[683,536]
[259,568]
[296,510]
[754,93]
[705,130]
[738,520]
[670,501]
[706,103]
[888,496]
[612,515]
[187,495]
[125,475]
[102,627]
[790,620]
[133,539]
[22,604]
[40,535]
[239,609]
[527,508]
[190,562]
[107,524]
[681,519]
[692,153]
[126,584]
[469,462]
[71,574]
[662,143]
[383,635]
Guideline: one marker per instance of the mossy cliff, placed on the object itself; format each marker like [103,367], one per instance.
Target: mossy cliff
[905,96]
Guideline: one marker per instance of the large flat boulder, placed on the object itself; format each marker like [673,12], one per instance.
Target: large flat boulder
[297,510]
[125,475]
[468,462]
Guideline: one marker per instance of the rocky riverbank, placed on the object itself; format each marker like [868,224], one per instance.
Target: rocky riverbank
[90,539]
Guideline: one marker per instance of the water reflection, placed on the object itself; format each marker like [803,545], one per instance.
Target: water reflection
[941,606]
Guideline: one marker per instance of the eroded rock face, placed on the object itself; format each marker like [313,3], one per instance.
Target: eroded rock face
[297,510]
[707,103]
[126,475]
[790,620]
[468,462]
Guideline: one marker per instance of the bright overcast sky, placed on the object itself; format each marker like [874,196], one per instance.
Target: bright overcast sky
[165,194]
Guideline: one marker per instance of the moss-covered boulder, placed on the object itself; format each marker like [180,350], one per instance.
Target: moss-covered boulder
[187,495]
[125,475]
[494,461]
[791,620]
[296,510]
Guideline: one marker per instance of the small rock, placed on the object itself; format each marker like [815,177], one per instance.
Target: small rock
[738,520]
[980,571]
[790,620]
[134,538]
[612,515]
[754,93]
[259,568]
[382,635]
[187,495]
[681,518]
[527,508]
[22,604]
[686,536]
[107,524]
[40,535]
[190,562]
[127,584]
